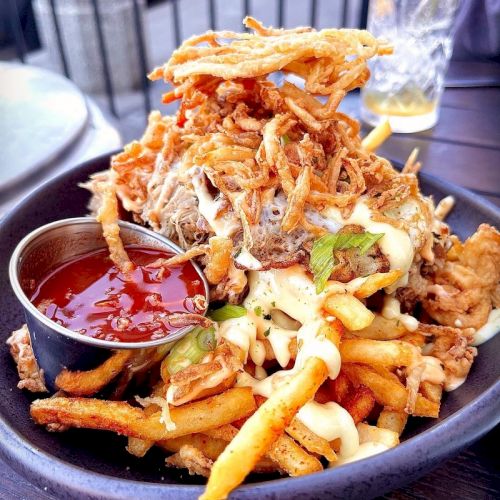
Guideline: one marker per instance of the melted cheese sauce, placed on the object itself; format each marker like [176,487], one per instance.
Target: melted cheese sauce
[489,329]
[247,260]
[290,290]
[243,333]
[293,292]
[452,382]
[330,421]
[392,310]
[365,450]
[396,244]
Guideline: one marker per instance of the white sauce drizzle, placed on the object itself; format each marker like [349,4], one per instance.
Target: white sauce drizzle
[260,373]
[330,421]
[452,382]
[247,260]
[489,329]
[291,291]
[365,450]
[392,310]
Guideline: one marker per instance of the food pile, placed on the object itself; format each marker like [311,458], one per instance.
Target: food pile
[341,304]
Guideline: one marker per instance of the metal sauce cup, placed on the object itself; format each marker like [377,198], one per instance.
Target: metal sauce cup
[46,248]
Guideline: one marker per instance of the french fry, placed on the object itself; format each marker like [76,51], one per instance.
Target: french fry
[263,428]
[377,136]
[210,447]
[394,420]
[310,441]
[349,310]
[108,217]
[291,458]
[360,403]
[370,433]
[386,372]
[225,432]
[432,392]
[139,447]
[415,338]
[323,394]
[340,387]
[87,383]
[378,352]
[122,418]
[389,392]
[382,329]
[284,452]
[376,282]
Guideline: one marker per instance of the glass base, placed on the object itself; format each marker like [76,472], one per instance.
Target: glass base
[401,124]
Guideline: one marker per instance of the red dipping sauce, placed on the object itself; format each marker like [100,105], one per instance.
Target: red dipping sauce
[89,295]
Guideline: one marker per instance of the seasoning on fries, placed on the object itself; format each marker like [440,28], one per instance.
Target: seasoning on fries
[341,303]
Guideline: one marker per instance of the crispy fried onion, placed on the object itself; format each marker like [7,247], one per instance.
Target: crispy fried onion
[216,373]
[238,141]
[218,258]
[333,53]
[108,217]
[181,320]
[462,289]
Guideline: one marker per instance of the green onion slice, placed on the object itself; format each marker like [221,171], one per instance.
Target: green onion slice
[322,259]
[191,349]
[285,140]
[206,339]
[228,311]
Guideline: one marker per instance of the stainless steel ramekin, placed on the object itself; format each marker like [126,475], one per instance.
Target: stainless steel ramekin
[55,346]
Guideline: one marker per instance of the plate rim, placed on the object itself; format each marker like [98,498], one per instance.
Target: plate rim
[21,455]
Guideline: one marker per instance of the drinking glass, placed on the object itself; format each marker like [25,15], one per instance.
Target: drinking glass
[406,87]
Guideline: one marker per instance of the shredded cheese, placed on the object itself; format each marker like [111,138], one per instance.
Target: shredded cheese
[165,410]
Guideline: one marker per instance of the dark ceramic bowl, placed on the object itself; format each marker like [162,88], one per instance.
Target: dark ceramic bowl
[93,464]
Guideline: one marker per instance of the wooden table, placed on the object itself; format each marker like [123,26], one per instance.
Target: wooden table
[463,148]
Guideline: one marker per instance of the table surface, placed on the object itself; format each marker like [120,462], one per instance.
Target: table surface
[463,148]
